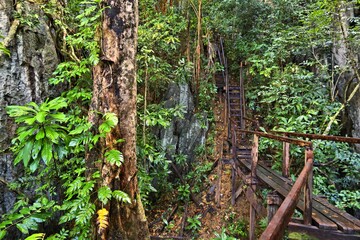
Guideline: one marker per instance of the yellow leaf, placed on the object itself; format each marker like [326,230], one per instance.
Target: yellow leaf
[102,220]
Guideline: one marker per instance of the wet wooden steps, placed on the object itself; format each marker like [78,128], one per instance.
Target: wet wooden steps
[324,215]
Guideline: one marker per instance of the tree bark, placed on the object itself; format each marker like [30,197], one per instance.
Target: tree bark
[114,90]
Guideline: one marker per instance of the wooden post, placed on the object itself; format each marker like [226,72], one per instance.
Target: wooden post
[286,159]
[254,155]
[309,156]
[233,174]
[253,182]
[219,170]
[273,203]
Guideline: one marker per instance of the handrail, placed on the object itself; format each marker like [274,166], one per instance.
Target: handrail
[282,217]
[320,137]
[298,142]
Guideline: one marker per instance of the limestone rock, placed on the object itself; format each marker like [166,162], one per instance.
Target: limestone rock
[183,136]
[23,78]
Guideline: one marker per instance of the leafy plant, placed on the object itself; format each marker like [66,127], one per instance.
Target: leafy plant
[41,128]
[184,192]
[194,223]
[223,236]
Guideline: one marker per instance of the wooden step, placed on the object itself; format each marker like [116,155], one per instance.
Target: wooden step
[234,88]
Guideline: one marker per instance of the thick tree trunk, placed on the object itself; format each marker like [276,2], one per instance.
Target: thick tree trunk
[115,91]
[23,78]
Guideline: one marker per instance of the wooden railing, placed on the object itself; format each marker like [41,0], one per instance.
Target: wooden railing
[282,217]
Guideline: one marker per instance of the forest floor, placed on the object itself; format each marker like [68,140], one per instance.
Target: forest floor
[175,220]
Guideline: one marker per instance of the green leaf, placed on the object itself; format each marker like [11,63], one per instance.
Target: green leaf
[40,116]
[19,157]
[36,236]
[121,196]
[57,103]
[111,118]
[46,152]
[22,227]
[104,194]
[80,129]
[2,234]
[34,105]
[61,151]
[111,121]
[30,224]
[5,223]
[25,134]
[51,134]
[40,134]
[34,165]
[17,111]
[25,211]
[36,149]
[61,117]
[29,121]
[114,157]
[104,127]
[26,152]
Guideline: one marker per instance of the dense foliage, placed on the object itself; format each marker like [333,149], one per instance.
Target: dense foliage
[291,85]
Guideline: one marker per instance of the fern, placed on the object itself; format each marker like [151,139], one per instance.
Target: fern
[104,194]
[114,157]
[102,220]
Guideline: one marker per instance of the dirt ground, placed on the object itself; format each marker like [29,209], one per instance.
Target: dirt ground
[166,221]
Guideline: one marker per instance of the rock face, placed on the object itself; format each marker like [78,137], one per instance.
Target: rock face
[183,136]
[23,78]
[347,81]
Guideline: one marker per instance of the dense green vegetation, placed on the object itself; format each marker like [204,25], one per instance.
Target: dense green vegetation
[291,85]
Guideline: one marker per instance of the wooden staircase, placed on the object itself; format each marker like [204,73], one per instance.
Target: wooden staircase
[235,105]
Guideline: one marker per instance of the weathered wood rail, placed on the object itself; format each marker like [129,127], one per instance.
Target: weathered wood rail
[327,219]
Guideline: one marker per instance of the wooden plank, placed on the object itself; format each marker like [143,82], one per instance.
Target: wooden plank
[277,183]
[283,188]
[338,211]
[250,193]
[239,190]
[321,233]
[346,225]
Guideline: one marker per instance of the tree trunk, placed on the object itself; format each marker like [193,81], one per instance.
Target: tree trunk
[115,91]
[198,52]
